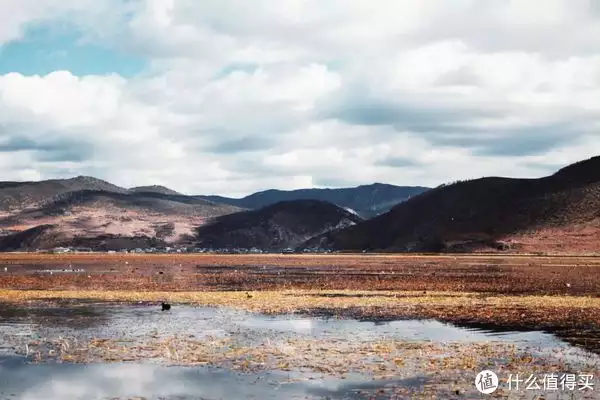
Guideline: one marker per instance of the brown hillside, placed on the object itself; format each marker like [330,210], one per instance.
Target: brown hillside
[278,226]
[41,236]
[107,220]
[555,213]
[150,202]
[20,195]
[154,189]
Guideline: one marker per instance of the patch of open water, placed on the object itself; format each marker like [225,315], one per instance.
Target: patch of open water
[119,380]
[138,321]
[21,380]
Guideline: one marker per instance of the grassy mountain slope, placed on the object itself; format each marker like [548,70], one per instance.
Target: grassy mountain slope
[556,213]
[277,226]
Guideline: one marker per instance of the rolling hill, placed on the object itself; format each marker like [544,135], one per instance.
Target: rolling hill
[90,212]
[366,200]
[20,195]
[154,189]
[560,212]
[275,227]
[106,220]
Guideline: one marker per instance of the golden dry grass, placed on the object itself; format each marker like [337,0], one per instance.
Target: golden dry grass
[505,291]
[451,366]
[520,291]
[294,300]
[381,358]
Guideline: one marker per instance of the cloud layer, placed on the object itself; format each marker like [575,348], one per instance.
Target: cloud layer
[241,96]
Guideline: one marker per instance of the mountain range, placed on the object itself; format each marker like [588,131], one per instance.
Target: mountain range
[90,212]
[277,226]
[366,200]
[556,213]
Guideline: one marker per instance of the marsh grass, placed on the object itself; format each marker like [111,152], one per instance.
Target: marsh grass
[448,365]
[293,300]
[575,319]
[444,365]
[460,273]
[579,314]
[518,292]
[377,358]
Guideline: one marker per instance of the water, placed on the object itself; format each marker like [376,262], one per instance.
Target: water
[105,381]
[247,329]
[132,322]
[22,380]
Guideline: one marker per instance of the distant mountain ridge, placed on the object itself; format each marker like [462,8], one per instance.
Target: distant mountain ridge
[91,212]
[560,212]
[366,200]
[555,213]
[19,195]
[154,189]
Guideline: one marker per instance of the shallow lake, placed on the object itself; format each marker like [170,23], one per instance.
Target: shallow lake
[132,321]
[24,380]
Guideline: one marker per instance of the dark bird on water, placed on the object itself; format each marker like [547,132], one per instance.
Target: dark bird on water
[165,306]
[248,295]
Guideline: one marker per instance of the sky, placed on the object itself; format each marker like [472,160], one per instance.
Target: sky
[233,96]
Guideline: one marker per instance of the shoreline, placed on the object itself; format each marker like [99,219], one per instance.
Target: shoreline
[574,319]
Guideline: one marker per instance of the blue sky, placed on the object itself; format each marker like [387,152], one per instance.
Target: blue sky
[47,48]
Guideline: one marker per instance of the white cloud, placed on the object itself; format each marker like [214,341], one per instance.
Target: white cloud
[245,96]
